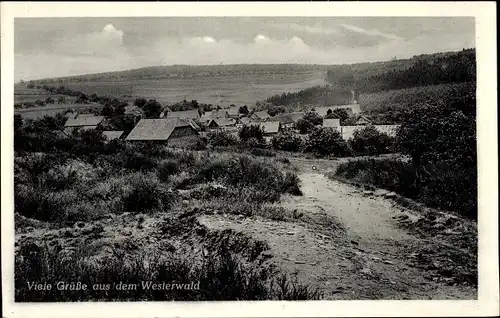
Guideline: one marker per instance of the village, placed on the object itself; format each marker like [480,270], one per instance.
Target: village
[183,128]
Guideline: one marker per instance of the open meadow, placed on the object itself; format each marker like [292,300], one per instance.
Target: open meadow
[241,89]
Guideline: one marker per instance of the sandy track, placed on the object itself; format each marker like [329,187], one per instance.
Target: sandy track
[367,256]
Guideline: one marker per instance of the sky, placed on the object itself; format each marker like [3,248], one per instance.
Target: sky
[52,47]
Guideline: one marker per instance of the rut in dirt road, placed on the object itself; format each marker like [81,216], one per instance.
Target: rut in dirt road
[368,219]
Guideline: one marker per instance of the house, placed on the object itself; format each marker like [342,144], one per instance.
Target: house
[285,120]
[221,123]
[112,134]
[362,120]
[233,112]
[270,127]
[82,122]
[332,123]
[205,118]
[261,116]
[133,110]
[172,131]
[219,114]
[165,111]
[71,114]
[245,121]
[192,114]
[295,116]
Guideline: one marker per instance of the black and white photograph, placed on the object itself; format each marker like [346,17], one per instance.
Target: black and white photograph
[244,158]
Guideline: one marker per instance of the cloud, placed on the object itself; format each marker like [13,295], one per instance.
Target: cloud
[107,42]
[372,32]
[306,28]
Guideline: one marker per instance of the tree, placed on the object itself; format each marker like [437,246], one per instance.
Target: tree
[287,142]
[338,113]
[252,131]
[39,102]
[314,118]
[107,110]
[82,99]
[49,100]
[304,126]
[152,109]
[370,141]
[61,100]
[326,142]
[243,110]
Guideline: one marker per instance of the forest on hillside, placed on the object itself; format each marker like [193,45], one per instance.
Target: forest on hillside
[423,70]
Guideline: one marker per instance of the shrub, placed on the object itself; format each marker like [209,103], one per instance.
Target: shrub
[146,194]
[291,184]
[222,276]
[327,142]
[166,169]
[287,142]
[220,138]
[370,141]
[251,131]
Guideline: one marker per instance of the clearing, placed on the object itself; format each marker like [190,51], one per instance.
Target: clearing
[351,243]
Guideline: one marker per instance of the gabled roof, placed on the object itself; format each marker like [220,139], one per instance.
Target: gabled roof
[283,119]
[331,122]
[155,129]
[133,110]
[270,127]
[295,116]
[233,111]
[112,134]
[71,114]
[191,114]
[218,114]
[363,119]
[83,120]
[245,120]
[206,116]
[223,122]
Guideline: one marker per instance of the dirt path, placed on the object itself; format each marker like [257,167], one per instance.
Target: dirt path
[347,243]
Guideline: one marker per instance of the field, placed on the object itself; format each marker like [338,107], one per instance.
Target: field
[245,89]
[51,110]
[23,94]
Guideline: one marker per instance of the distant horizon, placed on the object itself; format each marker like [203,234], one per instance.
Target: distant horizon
[62,47]
[234,64]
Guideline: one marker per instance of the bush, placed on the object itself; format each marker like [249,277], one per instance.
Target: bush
[291,184]
[252,131]
[287,142]
[327,142]
[222,276]
[220,138]
[370,141]
[146,194]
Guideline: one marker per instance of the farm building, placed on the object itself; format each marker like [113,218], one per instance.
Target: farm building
[193,114]
[165,111]
[133,110]
[286,121]
[270,127]
[295,116]
[331,123]
[205,118]
[233,112]
[71,114]
[83,122]
[221,123]
[362,120]
[112,134]
[173,131]
[219,114]
[262,116]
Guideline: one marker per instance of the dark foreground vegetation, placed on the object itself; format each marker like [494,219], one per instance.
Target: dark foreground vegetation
[78,197]
[440,144]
